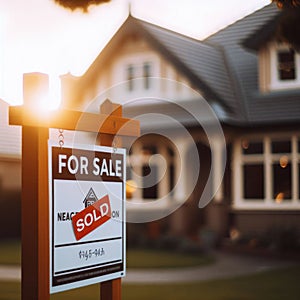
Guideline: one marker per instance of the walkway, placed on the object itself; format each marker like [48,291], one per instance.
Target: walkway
[226,266]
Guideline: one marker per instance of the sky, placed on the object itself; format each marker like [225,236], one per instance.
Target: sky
[40,36]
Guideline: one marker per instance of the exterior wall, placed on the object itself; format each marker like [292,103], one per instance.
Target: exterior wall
[264,69]
[111,80]
[268,69]
[10,197]
[10,136]
[10,175]
[260,222]
[270,198]
[211,221]
[259,216]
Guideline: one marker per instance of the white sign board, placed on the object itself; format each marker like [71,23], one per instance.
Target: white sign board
[87,215]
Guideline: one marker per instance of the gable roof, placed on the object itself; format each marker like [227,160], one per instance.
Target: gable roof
[260,37]
[273,107]
[203,64]
[220,67]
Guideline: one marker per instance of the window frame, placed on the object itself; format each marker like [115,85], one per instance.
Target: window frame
[268,159]
[147,74]
[144,66]
[130,70]
[139,159]
[276,83]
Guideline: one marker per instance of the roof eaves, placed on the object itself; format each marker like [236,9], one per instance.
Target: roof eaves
[261,36]
[203,87]
[241,114]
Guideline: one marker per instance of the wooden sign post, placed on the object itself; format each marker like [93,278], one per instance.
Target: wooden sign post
[35,194]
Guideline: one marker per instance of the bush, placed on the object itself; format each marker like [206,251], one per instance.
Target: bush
[281,239]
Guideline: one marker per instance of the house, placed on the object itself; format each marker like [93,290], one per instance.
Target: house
[10,175]
[249,79]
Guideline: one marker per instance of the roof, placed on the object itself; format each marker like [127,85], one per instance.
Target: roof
[221,67]
[202,62]
[258,38]
[274,107]
[10,136]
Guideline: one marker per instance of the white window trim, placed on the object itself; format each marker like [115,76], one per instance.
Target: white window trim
[137,161]
[276,83]
[137,62]
[268,203]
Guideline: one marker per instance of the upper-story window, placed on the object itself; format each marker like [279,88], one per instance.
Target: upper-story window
[140,71]
[130,77]
[286,60]
[285,67]
[147,75]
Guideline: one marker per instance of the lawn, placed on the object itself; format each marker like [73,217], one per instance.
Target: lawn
[147,259]
[10,253]
[272,285]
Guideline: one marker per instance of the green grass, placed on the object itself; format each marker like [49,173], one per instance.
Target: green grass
[273,285]
[164,259]
[10,252]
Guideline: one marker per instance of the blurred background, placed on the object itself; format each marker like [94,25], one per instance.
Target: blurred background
[213,189]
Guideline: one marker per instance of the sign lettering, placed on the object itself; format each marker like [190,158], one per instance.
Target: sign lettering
[87,215]
[91,217]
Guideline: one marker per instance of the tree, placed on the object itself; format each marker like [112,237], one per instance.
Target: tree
[79,4]
[287,3]
[289,22]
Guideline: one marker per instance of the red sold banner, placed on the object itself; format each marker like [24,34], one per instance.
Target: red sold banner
[91,217]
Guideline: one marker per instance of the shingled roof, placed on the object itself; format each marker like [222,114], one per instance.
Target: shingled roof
[273,107]
[204,63]
[221,67]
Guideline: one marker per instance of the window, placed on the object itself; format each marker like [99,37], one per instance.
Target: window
[282,181]
[142,71]
[253,170]
[130,77]
[149,173]
[281,146]
[146,75]
[154,179]
[267,173]
[253,176]
[286,64]
[285,67]
[150,182]
[252,148]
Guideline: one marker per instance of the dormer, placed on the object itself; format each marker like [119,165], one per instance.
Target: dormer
[278,62]
[279,67]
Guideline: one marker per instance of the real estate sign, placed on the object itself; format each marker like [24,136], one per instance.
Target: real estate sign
[87,215]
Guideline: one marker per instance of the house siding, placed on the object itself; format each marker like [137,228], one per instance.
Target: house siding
[264,72]
[265,221]
[10,176]
[225,73]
